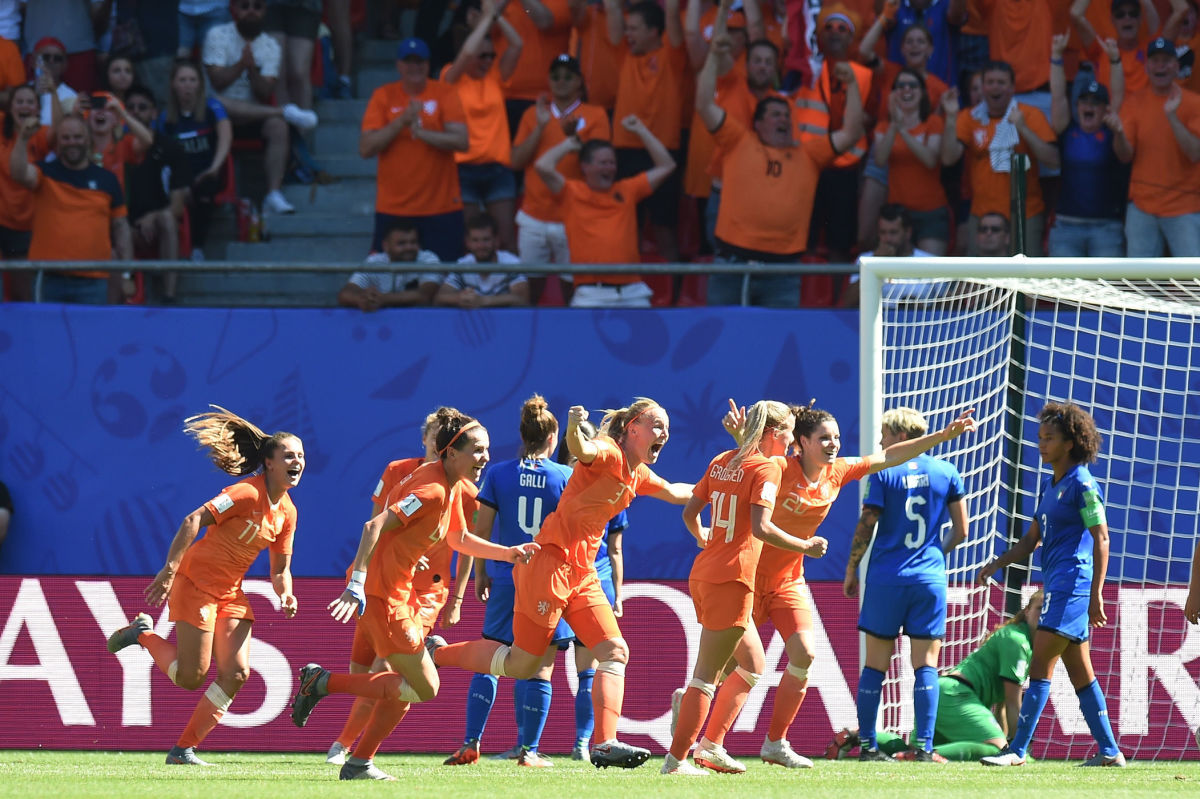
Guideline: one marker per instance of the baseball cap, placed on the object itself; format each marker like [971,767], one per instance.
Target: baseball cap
[1094,91]
[566,62]
[1161,45]
[49,41]
[412,48]
[736,20]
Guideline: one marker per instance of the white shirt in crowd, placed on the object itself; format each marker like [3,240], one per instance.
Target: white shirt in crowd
[223,48]
[391,282]
[488,284]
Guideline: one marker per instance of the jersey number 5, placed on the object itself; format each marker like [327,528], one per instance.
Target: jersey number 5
[719,517]
[914,541]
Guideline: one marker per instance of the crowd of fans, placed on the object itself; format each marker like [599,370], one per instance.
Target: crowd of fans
[588,132]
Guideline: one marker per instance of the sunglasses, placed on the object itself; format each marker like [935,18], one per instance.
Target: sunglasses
[54,58]
[991,229]
[905,84]
[837,27]
[139,106]
[1127,13]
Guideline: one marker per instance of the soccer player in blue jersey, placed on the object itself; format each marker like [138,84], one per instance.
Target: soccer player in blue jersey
[906,576]
[515,497]
[1069,523]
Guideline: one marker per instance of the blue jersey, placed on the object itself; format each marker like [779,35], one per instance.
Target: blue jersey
[603,564]
[1066,541]
[913,498]
[523,492]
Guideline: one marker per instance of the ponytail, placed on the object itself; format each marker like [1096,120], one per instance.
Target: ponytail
[616,422]
[763,415]
[236,446]
[537,424]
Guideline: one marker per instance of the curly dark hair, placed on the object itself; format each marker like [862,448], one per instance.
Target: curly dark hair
[809,418]
[1076,424]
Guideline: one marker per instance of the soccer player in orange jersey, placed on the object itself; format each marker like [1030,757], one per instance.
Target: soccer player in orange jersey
[420,511]
[203,580]
[560,581]
[741,485]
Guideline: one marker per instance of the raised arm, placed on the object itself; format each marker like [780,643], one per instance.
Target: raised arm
[674,31]
[1045,152]
[547,168]
[1060,102]
[1173,27]
[523,151]
[675,493]
[870,39]
[952,148]
[1116,75]
[488,14]
[697,48]
[615,20]
[19,167]
[852,120]
[512,55]
[664,164]
[756,29]
[541,17]
[903,451]
[1079,21]
[711,114]
[582,447]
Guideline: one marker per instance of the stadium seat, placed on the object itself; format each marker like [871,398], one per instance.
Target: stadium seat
[552,293]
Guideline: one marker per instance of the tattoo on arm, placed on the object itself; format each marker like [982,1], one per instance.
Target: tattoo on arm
[862,536]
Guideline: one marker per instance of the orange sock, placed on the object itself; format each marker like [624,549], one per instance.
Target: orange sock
[476,656]
[693,709]
[788,698]
[730,698]
[360,714]
[384,718]
[385,685]
[208,713]
[608,694]
[163,652]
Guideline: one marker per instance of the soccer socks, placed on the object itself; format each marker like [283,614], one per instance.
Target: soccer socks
[385,685]
[360,714]
[925,705]
[1095,712]
[608,694]
[1031,710]
[870,686]
[163,652]
[482,656]
[584,718]
[481,695]
[731,696]
[387,714]
[788,697]
[205,717]
[967,751]
[534,708]
[693,708]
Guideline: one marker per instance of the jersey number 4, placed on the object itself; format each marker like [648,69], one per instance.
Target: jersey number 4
[534,524]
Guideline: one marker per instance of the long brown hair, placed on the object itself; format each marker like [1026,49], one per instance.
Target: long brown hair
[10,121]
[236,446]
[200,112]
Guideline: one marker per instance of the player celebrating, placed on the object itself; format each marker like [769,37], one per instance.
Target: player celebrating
[560,581]
[419,513]
[1069,522]
[203,580]
[906,578]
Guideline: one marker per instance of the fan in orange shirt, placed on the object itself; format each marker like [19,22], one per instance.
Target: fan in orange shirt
[16,201]
[560,581]
[115,149]
[1131,40]
[203,579]
[741,485]
[421,510]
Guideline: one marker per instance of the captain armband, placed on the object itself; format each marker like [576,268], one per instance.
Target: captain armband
[1093,509]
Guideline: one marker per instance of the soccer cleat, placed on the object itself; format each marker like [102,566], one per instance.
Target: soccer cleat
[1117,760]
[842,744]
[714,758]
[337,754]
[1005,757]
[621,755]
[874,756]
[533,759]
[179,756]
[676,701]
[364,771]
[432,644]
[467,754]
[511,754]
[781,753]
[313,679]
[128,636]
[580,752]
[919,756]
[682,767]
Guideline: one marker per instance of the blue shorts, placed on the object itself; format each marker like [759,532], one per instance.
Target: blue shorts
[481,184]
[917,608]
[1066,614]
[498,617]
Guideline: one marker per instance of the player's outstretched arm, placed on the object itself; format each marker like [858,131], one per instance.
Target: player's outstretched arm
[907,450]
[1018,553]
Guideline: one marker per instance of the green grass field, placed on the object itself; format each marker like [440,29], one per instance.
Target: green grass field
[91,775]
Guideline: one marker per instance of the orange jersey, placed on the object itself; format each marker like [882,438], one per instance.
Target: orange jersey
[393,473]
[117,155]
[652,87]
[82,201]
[732,552]
[538,49]
[1019,32]
[487,123]
[732,93]
[990,189]
[415,179]
[595,493]
[911,183]
[590,123]
[1163,181]
[599,58]
[12,69]
[16,201]
[245,523]
[801,509]
[602,226]
[440,555]
[1133,66]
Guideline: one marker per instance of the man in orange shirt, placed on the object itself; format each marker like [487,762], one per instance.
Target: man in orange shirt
[989,134]
[1127,22]
[600,213]
[599,56]
[545,28]
[1160,135]
[12,70]
[79,214]
[416,125]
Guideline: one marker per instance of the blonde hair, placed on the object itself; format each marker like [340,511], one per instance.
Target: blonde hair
[616,422]
[763,415]
[537,424]
[236,446]
[908,421]
[1019,617]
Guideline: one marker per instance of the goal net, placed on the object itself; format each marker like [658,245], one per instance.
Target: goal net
[1005,336]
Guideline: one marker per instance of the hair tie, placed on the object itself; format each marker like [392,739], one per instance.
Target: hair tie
[461,430]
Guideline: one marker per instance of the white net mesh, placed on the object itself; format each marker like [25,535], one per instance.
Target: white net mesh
[1128,351]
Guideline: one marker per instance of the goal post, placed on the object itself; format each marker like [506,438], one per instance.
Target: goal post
[1121,338]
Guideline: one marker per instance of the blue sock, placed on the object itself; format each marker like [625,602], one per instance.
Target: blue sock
[925,705]
[534,710]
[870,686]
[1095,711]
[480,697]
[1031,710]
[519,705]
[584,719]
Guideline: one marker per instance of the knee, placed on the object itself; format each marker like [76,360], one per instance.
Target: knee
[236,678]
[614,650]
[189,679]
[427,691]
[275,130]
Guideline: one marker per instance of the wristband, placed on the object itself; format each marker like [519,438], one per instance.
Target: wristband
[1114,61]
[1056,62]
[355,589]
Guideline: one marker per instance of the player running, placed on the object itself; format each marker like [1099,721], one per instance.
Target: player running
[1070,524]
[202,580]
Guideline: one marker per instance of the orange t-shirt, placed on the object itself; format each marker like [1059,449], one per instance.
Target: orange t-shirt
[599,59]
[1163,181]
[119,153]
[1133,66]
[800,511]
[538,48]
[1019,32]
[81,201]
[595,493]
[881,85]
[487,122]
[245,523]
[652,87]
[732,93]
[602,226]
[16,201]
[591,123]
[767,192]
[415,179]
[12,69]
[990,190]
[911,183]
[732,552]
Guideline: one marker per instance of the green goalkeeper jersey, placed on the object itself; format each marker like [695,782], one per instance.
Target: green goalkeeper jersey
[1003,657]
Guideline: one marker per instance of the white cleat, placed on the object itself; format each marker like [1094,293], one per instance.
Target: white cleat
[337,754]
[364,771]
[672,766]
[1117,760]
[676,700]
[1004,758]
[714,758]
[780,753]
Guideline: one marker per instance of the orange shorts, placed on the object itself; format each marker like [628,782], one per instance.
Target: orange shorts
[201,609]
[720,606]
[785,606]
[428,607]
[391,627]
[548,589]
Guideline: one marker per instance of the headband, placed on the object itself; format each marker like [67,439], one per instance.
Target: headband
[461,430]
